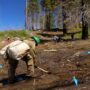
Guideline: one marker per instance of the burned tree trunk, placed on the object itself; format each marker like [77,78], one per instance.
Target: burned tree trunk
[84,30]
[64,20]
[84,22]
[47,22]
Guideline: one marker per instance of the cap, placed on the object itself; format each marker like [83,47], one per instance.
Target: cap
[37,40]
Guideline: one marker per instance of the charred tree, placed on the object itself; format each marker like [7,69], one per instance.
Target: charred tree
[47,22]
[84,22]
[64,19]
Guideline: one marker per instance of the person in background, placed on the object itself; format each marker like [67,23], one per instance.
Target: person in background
[9,40]
[56,39]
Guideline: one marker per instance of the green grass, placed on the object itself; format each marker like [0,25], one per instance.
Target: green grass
[89,32]
[23,34]
[16,33]
[78,35]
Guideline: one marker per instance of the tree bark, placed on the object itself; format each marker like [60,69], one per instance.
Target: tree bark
[47,21]
[84,30]
[64,19]
[84,23]
[32,21]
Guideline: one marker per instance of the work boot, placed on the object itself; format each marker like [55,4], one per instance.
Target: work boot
[30,74]
[11,81]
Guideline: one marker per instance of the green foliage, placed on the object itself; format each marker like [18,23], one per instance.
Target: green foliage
[33,9]
[33,6]
[49,5]
[71,11]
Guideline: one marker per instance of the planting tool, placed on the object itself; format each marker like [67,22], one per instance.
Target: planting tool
[43,70]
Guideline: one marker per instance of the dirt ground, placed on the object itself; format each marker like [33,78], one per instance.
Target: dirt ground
[64,60]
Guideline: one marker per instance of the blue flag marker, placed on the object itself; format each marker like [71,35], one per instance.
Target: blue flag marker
[88,52]
[75,81]
[1,66]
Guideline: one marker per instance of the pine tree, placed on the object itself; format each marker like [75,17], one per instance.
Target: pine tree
[48,6]
[33,10]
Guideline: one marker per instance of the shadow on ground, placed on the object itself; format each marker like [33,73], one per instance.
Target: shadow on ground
[18,78]
[53,30]
[45,41]
[68,40]
[50,35]
[63,40]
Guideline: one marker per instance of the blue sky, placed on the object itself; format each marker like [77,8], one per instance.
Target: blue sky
[12,14]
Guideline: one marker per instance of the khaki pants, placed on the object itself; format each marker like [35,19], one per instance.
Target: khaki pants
[13,65]
[30,64]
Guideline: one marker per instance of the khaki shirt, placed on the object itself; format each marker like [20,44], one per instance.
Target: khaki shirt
[32,47]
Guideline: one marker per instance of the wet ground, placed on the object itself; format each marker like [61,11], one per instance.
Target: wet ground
[64,60]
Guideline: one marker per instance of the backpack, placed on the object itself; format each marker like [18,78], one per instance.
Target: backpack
[16,50]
